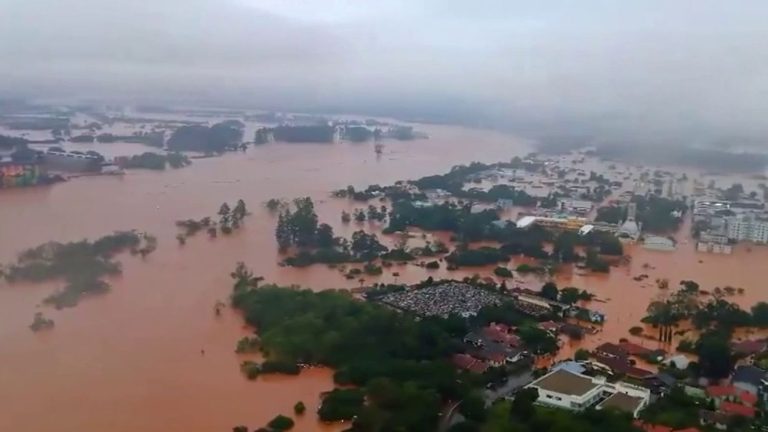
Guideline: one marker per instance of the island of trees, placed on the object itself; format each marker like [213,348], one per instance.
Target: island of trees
[216,139]
[155,161]
[82,265]
[230,219]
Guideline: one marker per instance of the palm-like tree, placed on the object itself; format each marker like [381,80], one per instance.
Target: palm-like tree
[662,314]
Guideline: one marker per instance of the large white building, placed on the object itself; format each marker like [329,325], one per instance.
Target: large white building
[747,228]
[573,391]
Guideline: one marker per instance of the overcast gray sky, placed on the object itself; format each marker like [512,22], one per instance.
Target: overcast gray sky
[668,64]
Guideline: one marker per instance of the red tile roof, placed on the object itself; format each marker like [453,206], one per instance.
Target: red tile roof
[737,409]
[549,326]
[748,398]
[467,362]
[650,427]
[613,350]
[634,349]
[750,347]
[718,391]
[622,366]
[499,334]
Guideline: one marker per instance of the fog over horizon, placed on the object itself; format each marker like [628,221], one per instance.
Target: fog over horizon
[688,70]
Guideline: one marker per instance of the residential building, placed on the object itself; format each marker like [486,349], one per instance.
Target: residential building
[573,391]
[496,354]
[679,361]
[751,379]
[716,248]
[719,394]
[659,243]
[570,366]
[17,174]
[611,350]
[749,348]
[469,363]
[650,427]
[580,207]
[747,227]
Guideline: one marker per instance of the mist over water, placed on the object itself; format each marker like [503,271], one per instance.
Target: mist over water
[683,73]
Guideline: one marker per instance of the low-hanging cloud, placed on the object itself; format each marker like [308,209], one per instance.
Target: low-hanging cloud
[687,67]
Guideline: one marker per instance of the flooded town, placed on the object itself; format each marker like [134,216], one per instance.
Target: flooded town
[270,216]
[565,265]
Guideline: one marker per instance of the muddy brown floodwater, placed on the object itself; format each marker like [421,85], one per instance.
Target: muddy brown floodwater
[130,360]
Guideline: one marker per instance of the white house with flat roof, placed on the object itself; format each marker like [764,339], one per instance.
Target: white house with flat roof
[576,392]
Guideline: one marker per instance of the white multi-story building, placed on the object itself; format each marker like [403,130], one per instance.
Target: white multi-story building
[573,391]
[747,228]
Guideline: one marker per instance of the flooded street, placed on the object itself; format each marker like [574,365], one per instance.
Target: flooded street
[131,360]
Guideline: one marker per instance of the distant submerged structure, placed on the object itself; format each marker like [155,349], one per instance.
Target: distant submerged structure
[630,229]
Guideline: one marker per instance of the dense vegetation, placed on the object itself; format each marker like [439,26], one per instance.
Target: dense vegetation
[156,161]
[656,214]
[9,142]
[217,139]
[299,227]
[397,363]
[40,322]
[360,133]
[82,264]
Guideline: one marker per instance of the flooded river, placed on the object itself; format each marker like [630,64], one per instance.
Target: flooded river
[131,360]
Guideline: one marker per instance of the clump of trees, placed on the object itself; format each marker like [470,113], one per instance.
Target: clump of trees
[717,318]
[482,256]
[299,228]
[341,404]
[156,161]
[247,344]
[281,423]
[230,219]
[370,192]
[275,204]
[503,272]
[450,216]
[82,265]
[595,263]
[217,139]
[299,408]
[40,322]
[655,213]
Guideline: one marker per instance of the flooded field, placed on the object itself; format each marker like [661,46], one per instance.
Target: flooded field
[131,360]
